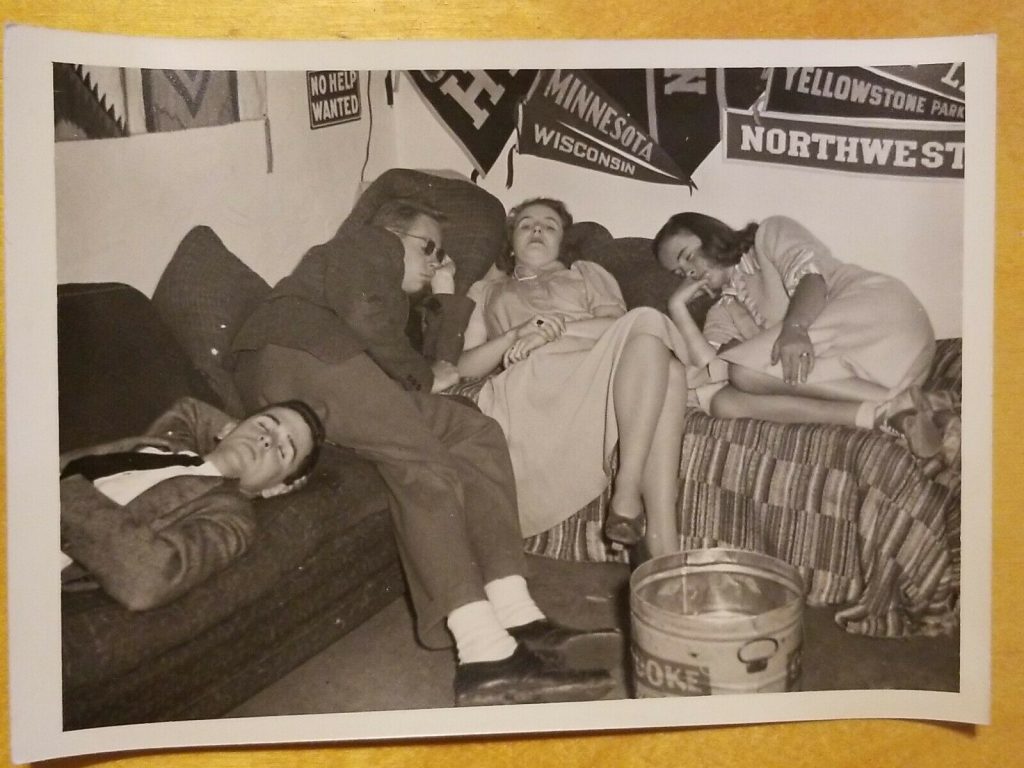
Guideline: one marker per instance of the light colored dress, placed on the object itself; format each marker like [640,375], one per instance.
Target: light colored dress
[871,327]
[556,406]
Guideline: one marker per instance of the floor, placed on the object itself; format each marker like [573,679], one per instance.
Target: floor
[379,666]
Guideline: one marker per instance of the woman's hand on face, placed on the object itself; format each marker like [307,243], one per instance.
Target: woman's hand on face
[688,291]
[794,349]
[550,327]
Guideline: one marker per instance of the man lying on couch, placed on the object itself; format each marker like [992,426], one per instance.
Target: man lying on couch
[149,517]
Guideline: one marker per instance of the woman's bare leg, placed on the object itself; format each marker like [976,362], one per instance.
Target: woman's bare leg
[661,473]
[638,394]
[732,403]
[850,390]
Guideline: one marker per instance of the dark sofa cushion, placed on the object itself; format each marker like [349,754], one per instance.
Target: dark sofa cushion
[643,281]
[474,230]
[118,366]
[322,561]
[204,295]
[101,640]
[581,238]
[306,610]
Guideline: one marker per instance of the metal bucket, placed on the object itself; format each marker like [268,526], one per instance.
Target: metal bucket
[715,621]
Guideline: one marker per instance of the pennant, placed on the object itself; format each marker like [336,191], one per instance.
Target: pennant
[686,114]
[741,87]
[175,99]
[859,93]
[677,107]
[845,146]
[945,79]
[569,117]
[477,106]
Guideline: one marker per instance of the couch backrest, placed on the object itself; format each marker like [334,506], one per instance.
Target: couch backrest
[118,366]
[474,231]
[643,281]
[204,295]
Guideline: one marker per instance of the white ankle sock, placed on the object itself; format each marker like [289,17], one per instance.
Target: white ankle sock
[479,636]
[512,602]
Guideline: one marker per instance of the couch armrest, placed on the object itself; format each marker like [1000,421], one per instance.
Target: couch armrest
[118,365]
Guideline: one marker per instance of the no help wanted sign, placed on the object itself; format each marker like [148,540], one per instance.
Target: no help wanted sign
[333,97]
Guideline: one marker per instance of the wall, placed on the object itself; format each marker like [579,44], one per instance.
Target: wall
[123,205]
[909,228]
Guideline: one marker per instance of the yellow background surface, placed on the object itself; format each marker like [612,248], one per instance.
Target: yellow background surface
[836,743]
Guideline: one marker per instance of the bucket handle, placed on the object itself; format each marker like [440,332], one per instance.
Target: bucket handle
[755,653]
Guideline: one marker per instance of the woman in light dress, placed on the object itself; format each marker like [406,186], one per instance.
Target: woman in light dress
[581,377]
[807,337]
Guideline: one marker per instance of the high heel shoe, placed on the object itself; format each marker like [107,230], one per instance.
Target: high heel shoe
[911,417]
[623,530]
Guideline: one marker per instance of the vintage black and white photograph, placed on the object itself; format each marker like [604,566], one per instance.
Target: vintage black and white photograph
[565,397]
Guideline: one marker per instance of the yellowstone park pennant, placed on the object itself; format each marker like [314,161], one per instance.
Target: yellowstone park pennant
[861,92]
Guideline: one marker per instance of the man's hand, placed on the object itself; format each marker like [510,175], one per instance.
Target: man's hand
[794,349]
[443,280]
[445,375]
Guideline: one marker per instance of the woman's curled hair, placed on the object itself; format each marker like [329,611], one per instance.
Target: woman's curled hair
[506,261]
[719,242]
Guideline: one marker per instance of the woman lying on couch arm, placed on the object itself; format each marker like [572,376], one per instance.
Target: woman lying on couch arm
[580,376]
[807,338]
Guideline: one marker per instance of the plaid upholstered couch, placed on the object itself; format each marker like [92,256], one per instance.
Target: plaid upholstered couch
[874,531]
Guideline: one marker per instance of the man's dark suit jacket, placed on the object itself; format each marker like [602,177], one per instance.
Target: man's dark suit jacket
[170,537]
[345,297]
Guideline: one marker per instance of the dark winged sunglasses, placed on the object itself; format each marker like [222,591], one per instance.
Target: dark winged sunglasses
[430,247]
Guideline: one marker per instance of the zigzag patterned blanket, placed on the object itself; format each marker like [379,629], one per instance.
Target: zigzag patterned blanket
[872,530]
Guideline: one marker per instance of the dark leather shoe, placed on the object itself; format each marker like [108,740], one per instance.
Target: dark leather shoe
[572,648]
[526,678]
[623,530]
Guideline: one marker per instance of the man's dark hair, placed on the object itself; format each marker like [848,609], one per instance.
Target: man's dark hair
[399,212]
[316,429]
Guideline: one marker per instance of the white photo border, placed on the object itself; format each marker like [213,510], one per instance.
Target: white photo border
[31,366]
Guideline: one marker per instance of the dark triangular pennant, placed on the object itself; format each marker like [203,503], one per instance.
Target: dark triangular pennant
[569,117]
